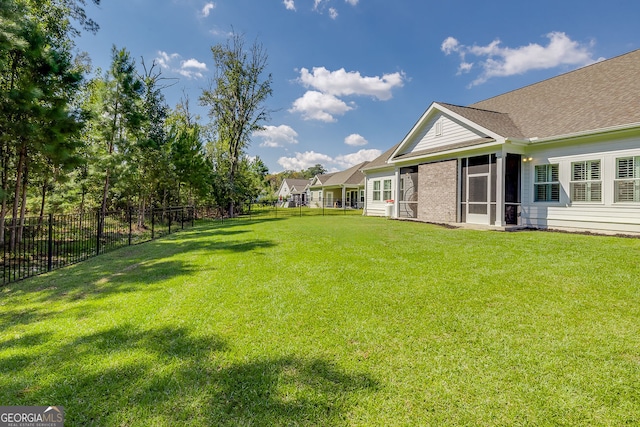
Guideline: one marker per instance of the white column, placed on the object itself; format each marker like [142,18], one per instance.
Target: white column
[500,188]
[396,196]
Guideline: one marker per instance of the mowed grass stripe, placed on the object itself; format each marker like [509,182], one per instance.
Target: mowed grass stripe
[333,321]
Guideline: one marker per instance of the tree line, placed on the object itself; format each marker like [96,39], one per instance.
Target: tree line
[72,139]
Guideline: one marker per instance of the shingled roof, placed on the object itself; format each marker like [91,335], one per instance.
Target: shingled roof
[351,176]
[381,160]
[601,95]
[299,184]
[499,123]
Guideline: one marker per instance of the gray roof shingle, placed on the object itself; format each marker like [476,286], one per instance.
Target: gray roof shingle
[597,96]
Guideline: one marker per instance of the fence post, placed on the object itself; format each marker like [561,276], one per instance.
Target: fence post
[193,216]
[130,223]
[153,224]
[50,244]
[100,219]
[182,217]
[170,216]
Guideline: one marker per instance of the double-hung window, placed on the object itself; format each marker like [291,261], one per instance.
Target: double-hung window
[376,190]
[627,182]
[586,181]
[547,184]
[386,194]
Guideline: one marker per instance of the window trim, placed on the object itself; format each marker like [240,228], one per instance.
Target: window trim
[377,191]
[387,193]
[634,180]
[548,169]
[588,181]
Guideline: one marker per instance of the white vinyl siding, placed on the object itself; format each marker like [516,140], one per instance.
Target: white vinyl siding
[442,131]
[547,183]
[586,181]
[627,182]
[607,214]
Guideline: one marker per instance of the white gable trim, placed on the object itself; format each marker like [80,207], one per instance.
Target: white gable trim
[433,109]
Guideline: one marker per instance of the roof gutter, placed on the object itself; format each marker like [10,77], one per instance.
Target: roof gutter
[582,134]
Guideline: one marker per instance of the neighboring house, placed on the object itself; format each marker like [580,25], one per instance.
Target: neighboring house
[339,189]
[561,153]
[293,190]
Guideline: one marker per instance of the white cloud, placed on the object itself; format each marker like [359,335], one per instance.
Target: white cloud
[216,31]
[341,82]
[316,105]
[333,13]
[304,160]
[465,67]
[307,159]
[504,61]
[352,2]
[164,59]
[191,68]
[355,140]
[277,136]
[194,63]
[348,160]
[289,4]
[449,45]
[206,10]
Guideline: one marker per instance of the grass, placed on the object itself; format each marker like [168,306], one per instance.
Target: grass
[333,321]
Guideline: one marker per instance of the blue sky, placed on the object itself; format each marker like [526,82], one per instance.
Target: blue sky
[351,77]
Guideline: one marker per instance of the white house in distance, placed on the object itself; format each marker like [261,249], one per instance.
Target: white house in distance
[562,153]
[294,190]
[344,189]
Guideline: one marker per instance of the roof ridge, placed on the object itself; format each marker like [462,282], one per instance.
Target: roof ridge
[579,69]
[472,108]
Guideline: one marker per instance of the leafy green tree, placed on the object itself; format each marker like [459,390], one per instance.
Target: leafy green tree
[37,82]
[236,101]
[191,167]
[318,169]
[115,103]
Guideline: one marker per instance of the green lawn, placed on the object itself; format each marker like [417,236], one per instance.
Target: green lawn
[339,320]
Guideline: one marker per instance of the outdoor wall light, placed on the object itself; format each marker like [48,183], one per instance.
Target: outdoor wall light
[527,159]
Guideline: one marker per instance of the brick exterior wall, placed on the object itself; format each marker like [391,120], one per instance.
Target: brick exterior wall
[438,190]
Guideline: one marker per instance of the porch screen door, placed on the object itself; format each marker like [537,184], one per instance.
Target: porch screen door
[478,190]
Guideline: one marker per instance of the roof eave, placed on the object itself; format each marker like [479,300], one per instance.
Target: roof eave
[587,133]
[445,153]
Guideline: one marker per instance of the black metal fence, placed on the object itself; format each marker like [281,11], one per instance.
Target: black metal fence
[38,245]
[259,210]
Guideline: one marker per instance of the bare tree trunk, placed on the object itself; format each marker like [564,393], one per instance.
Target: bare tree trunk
[164,204]
[23,207]
[105,193]
[5,189]
[16,199]
[42,203]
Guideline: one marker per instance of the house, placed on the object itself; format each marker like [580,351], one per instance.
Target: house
[293,190]
[343,189]
[561,153]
